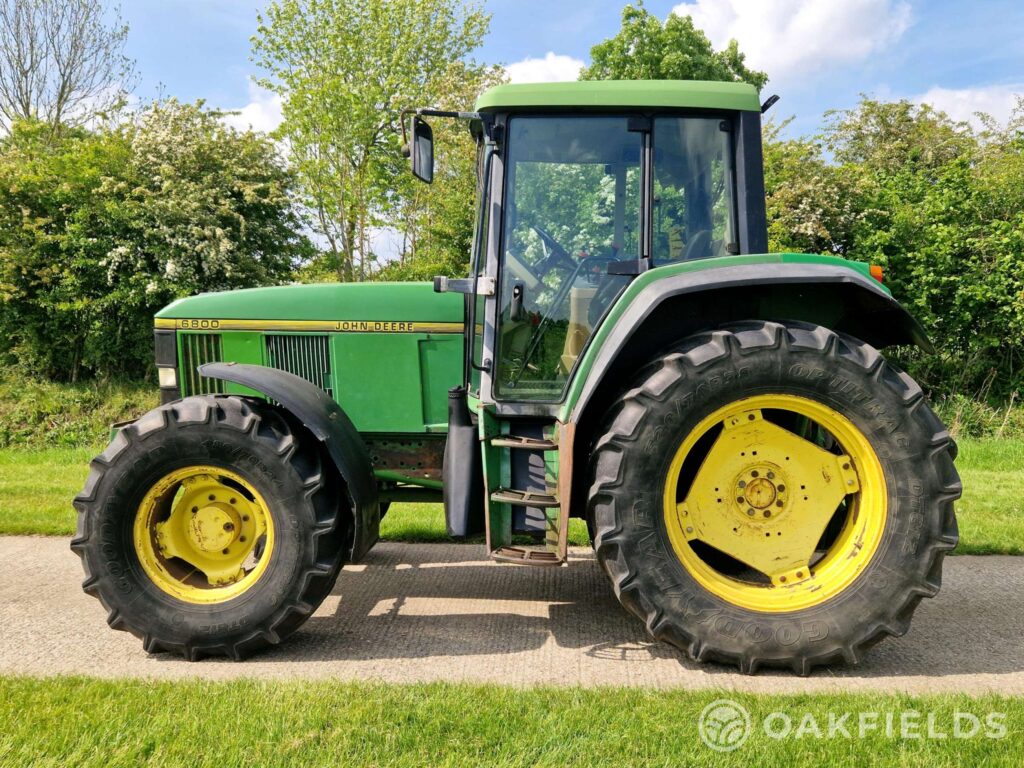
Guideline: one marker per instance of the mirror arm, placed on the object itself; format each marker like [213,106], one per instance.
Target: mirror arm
[426,112]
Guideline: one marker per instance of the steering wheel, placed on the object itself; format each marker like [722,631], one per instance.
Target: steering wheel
[554,254]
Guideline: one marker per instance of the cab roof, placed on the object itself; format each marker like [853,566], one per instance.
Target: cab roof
[641,94]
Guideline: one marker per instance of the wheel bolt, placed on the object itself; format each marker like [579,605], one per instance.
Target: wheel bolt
[782,579]
[245,518]
[781,488]
[771,475]
[224,552]
[739,499]
[241,538]
[767,513]
[229,526]
[754,473]
[743,483]
[778,503]
[750,512]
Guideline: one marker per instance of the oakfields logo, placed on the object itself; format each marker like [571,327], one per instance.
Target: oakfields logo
[726,725]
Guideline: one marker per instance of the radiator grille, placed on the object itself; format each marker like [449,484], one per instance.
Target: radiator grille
[197,349]
[307,356]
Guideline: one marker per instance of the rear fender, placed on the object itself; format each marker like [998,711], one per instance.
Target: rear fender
[325,419]
[656,311]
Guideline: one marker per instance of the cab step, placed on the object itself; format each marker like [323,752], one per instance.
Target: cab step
[527,556]
[524,498]
[524,443]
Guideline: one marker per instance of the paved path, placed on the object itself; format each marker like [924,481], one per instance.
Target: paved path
[417,612]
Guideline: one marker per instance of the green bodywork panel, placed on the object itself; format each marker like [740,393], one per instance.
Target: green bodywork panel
[393,349]
[324,301]
[669,270]
[612,94]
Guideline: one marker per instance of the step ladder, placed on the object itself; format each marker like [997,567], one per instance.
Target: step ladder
[504,499]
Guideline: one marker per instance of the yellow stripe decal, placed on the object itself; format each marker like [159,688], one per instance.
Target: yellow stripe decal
[334,326]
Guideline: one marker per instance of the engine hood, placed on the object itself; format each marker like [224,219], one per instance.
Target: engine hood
[319,303]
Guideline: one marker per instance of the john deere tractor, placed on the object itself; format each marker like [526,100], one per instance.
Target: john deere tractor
[762,487]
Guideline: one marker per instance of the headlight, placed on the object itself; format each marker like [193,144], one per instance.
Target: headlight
[168,377]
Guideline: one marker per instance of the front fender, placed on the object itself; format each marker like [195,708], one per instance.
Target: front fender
[329,424]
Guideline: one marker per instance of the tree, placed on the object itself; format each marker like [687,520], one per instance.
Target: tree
[647,49]
[939,206]
[60,61]
[345,70]
[100,229]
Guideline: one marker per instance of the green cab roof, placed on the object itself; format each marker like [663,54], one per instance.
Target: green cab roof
[672,94]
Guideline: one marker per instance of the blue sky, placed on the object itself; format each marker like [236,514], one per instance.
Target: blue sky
[962,56]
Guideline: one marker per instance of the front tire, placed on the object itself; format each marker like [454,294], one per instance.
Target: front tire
[210,527]
[773,495]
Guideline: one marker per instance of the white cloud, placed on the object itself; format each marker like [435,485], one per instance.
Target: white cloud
[553,68]
[792,39]
[262,113]
[964,103]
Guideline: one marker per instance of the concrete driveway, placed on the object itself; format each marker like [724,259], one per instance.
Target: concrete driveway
[422,612]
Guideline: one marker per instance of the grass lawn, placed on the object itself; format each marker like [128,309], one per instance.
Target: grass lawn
[36,488]
[77,721]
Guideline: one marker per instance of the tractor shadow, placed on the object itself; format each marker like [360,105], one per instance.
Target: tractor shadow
[425,600]
[418,601]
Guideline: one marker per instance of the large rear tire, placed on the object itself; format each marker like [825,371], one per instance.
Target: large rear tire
[773,495]
[210,527]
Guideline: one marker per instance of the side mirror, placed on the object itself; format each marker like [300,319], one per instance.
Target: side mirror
[422,151]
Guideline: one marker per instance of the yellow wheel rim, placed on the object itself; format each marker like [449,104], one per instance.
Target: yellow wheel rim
[775,503]
[203,534]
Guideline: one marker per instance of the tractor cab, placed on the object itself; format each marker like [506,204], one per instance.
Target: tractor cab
[582,187]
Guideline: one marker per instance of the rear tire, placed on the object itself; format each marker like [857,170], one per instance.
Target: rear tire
[629,506]
[258,448]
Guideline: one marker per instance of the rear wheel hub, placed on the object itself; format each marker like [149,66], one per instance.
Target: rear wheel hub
[764,494]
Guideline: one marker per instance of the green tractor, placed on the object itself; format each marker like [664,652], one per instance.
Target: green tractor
[761,486]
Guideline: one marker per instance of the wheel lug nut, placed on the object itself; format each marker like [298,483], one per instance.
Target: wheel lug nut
[245,518]
[778,503]
[750,512]
[781,488]
[771,475]
[224,552]
[754,473]
[229,526]
[767,513]
[742,483]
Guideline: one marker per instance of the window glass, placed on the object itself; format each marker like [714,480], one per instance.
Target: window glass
[572,207]
[693,215]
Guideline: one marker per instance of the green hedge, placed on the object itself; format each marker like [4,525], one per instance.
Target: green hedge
[36,413]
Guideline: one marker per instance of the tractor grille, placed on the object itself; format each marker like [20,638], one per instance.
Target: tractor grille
[307,356]
[197,349]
